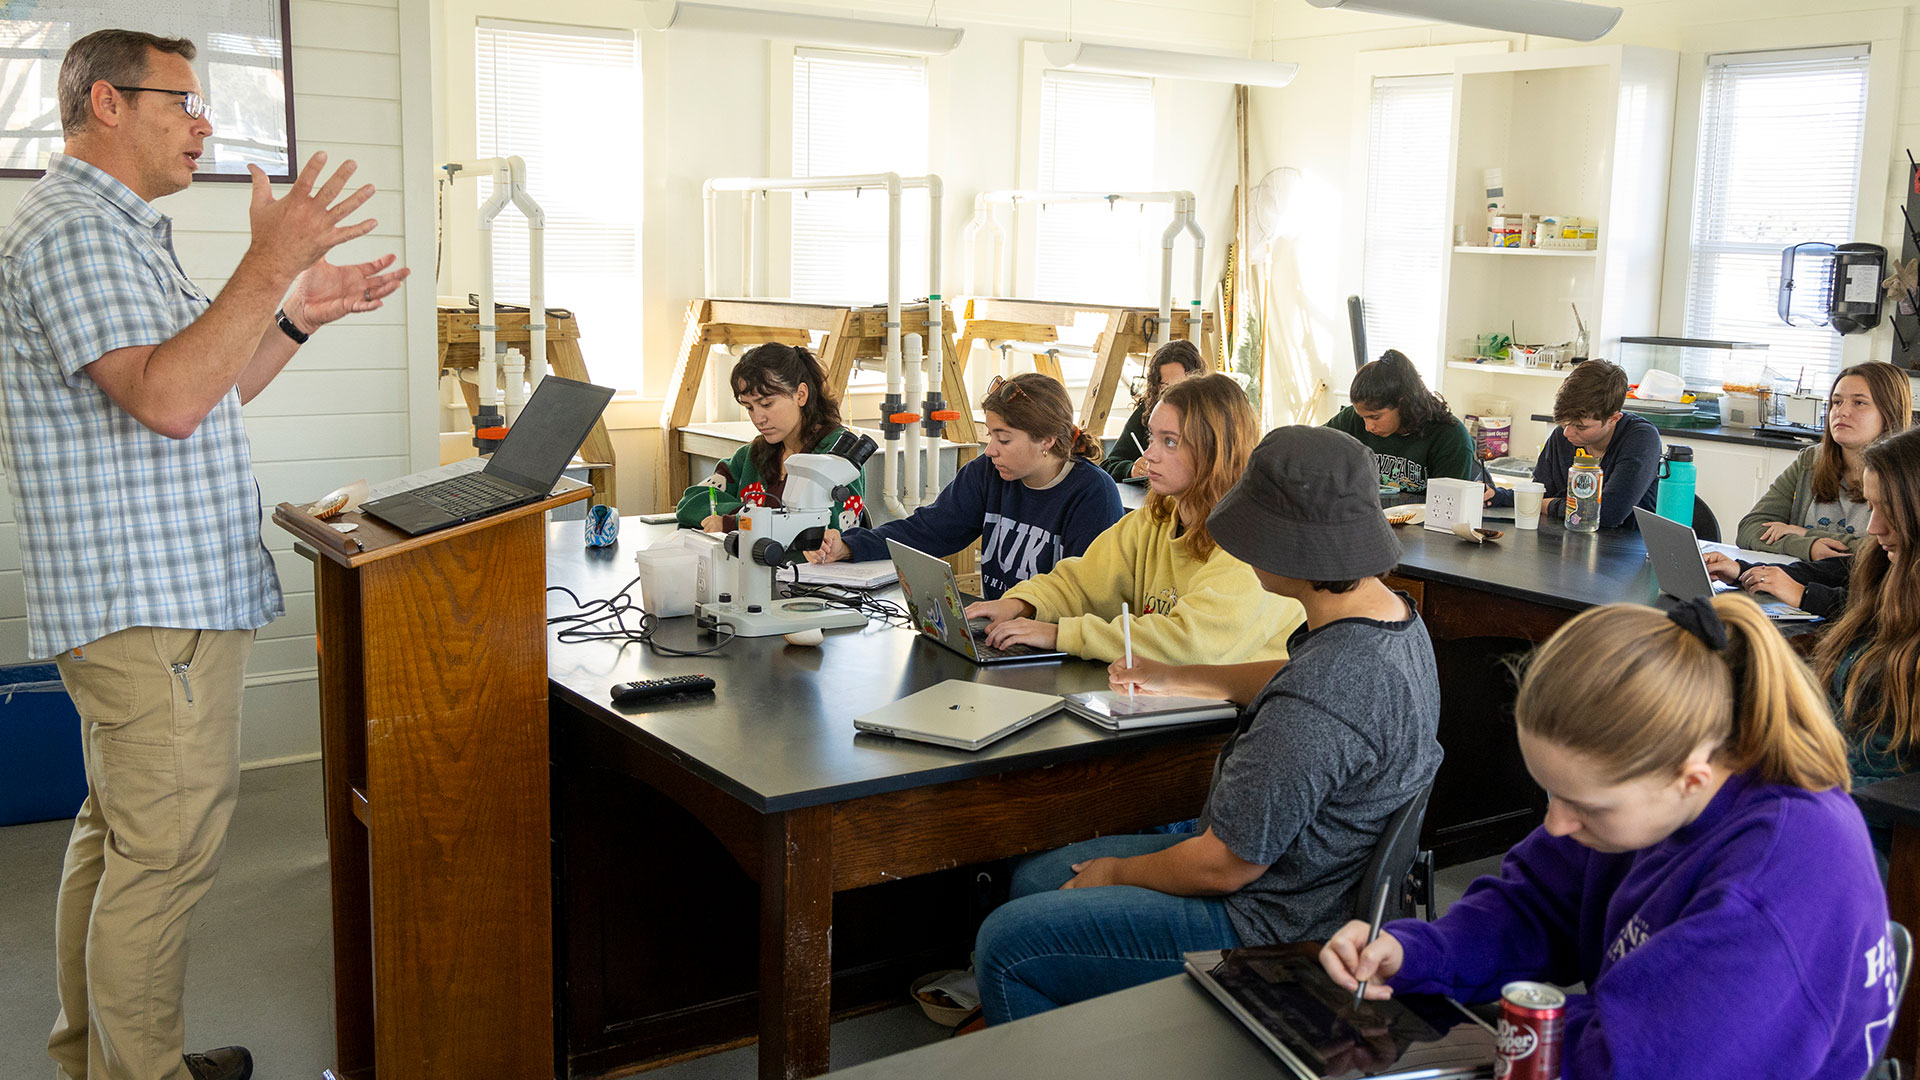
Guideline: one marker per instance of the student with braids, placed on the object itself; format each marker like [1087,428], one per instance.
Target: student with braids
[1701,868]
[1169,364]
[784,392]
[1407,426]
[1191,601]
[1870,659]
[1036,496]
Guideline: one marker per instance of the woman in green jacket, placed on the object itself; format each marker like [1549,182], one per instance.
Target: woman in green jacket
[1407,426]
[1170,363]
[1815,509]
[784,392]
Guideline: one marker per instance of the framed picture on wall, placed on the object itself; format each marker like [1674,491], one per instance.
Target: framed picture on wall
[245,65]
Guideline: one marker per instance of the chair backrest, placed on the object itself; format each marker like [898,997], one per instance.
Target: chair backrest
[1887,1068]
[1392,860]
[1705,525]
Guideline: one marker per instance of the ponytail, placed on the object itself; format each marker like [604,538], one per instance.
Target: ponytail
[1637,691]
[1086,446]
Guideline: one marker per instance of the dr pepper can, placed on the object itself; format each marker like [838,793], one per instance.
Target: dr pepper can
[1528,1039]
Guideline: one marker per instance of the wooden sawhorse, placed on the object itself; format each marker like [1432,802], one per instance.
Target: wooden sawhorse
[1130,331]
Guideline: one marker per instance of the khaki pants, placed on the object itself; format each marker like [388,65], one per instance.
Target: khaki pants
[160,715]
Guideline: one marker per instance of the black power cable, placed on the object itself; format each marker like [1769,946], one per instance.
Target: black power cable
[606,620]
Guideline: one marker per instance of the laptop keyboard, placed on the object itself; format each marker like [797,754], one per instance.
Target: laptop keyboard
[988,652]
[469,494]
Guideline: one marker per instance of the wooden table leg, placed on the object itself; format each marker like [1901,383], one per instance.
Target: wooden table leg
[1903,904]
[796,943]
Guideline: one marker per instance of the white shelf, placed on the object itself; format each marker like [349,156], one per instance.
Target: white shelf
[1510,369]
[1469,249]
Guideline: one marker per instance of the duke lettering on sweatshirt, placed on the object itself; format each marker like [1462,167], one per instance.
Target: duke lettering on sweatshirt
[1022,531]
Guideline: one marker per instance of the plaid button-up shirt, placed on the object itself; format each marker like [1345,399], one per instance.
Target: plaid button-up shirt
[119,526]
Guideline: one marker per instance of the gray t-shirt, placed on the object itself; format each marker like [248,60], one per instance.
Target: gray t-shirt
[1342,737]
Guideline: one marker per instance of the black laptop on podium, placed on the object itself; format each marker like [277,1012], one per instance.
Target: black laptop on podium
[552,425]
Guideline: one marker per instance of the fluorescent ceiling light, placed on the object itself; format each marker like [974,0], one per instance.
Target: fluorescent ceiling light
[1547,18]
[825,30]
[1118,60]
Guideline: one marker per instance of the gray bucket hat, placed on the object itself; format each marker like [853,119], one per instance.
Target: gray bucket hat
[1308,507]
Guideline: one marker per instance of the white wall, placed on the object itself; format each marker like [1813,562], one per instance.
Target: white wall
[707,112]
[345,407]
[1310,126]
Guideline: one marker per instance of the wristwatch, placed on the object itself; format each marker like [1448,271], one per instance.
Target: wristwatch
[287,327]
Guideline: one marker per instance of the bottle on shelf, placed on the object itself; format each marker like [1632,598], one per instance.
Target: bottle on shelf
[1583,493]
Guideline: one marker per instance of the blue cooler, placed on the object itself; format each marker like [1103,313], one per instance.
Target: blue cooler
[43,776]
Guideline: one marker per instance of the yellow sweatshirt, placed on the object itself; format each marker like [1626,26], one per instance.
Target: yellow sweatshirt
[1185,611]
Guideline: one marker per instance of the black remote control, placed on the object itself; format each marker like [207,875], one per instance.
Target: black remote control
[627,693]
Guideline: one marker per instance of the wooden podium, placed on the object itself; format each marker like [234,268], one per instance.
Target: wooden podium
[433,712]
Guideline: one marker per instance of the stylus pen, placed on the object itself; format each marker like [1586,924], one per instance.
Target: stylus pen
[1126,635]
[1373,935]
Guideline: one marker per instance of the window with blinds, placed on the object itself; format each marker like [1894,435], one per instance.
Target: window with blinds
[1405,237]
[1096,134]
[853,114]
[541,92]
[1781,136]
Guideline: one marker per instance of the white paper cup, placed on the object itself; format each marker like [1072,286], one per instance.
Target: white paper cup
[1527,497]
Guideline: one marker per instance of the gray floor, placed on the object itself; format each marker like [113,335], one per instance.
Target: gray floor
[261,960]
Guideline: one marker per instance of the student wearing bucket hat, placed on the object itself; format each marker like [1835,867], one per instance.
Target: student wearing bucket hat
[1321,759]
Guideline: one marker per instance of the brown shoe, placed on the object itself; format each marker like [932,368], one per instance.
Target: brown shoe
[226,1063]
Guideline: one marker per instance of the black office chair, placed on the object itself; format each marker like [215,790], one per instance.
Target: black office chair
[1399,864]
[1705,525]
[1887,1068]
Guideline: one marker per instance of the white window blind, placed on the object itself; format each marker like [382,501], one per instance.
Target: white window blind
[1096,134]
[1779,163]
[855,114]
[541,94]
[1406,229]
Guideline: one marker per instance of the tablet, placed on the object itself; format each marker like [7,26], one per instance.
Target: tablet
[1288,1001]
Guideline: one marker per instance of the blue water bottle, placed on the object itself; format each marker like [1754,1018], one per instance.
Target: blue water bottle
[1674,500]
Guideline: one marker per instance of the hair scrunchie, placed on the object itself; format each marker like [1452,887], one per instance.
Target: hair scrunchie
[1697,617]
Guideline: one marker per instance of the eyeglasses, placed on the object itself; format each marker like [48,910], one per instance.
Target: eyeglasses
[191,101]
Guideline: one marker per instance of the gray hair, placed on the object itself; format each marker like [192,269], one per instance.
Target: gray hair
[116,57]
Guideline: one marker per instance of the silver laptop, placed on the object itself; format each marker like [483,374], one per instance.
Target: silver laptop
[966,715]
[1682,572]
[938,609]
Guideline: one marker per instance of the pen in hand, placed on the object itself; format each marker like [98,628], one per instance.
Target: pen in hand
[1373,935]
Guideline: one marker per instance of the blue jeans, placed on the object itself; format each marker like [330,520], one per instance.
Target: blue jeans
[1046,947]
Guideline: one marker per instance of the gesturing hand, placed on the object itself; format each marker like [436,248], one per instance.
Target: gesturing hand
[324,292]
[293,231]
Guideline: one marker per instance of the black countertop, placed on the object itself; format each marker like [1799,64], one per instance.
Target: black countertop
[1167,1028]
[778,734]
[1548,565]
[1891,802]
[1740,436]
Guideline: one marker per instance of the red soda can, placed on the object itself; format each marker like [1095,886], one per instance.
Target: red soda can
[1527,1042]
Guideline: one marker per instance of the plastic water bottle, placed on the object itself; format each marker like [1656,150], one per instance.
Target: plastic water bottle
[1583,493]
[1674,498]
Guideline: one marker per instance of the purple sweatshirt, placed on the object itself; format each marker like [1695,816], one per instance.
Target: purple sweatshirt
[1752,942]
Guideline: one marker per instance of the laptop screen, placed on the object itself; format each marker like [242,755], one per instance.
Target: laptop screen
[552,425]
